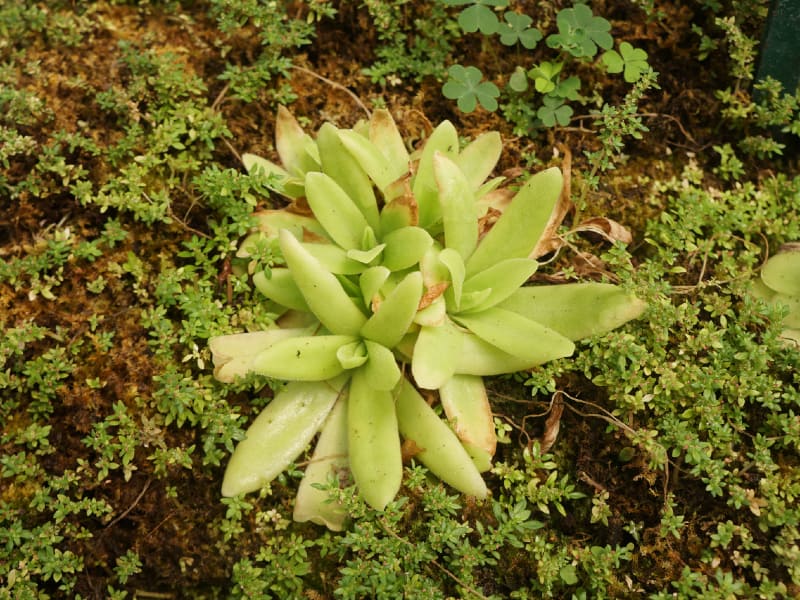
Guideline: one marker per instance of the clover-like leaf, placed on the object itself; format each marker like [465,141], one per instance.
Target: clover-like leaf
[544,76]
[580,32]
[632,61]
[517,29]
[479,16]
[554,111]
[466,85]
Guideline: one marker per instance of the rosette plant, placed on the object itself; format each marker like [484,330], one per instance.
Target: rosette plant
[779,284]
[401,259]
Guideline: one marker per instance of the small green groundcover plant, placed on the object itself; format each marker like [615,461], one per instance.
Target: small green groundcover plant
[398,281]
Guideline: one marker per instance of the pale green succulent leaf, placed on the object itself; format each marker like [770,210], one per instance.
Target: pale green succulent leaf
[324,294]
[395,313]
[488,187]
[517,335]
[782,273]
[432,315]
[405,247]
[436,354]
[334,259]
[434,271]
[279,434]
[373,442]
[501,280]
[478,158]
[466,405]
[352,355]
[454,263]
[381,370]
[304,358]
[271,222]
[517,231]
[366,257]
[329,458]
[371,281]
[384,134]
[233,354]
[340,166]
[479,357]
[375,164]
[298,152]
[439,448]
[576,310]
[335,210]
[457,204]
[443,139]
[281,288]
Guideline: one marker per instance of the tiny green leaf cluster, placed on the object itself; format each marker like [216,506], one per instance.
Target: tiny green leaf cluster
[580,36]
[396,283]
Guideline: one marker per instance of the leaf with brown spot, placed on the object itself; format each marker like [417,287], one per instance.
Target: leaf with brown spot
[432,293]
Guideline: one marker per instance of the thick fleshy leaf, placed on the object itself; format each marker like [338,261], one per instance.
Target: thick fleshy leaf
[340,166]
[455,266]
[373,442]
[467,408]
[443,139]
[281,288]
[288,185]
[233,354]
[433,315]
[352,355]
[297,150]
[381,369]
[457,204]
[366,257]
[400,208]
[517,335]
[478,159]
[375,164]
[436,355]
[519,228]
[479,357]
[396,312]
[782,272]
[371,281]
[329,458]
[384,134]
[334,259]
[502,279]
[439,448]
[405,247]
[576,310]
[335,210]
[271,222]
[305,358]
[324,294]
[279,434]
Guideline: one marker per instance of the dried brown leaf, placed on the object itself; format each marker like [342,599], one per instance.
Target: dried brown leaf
[552,424]
[608,229]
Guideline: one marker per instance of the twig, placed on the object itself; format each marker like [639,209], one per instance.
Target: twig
[338,86]
[131,507]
